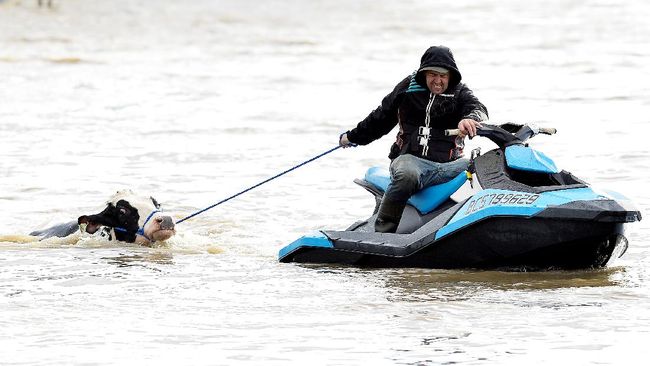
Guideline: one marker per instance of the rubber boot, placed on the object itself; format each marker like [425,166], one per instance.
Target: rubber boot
[388,216]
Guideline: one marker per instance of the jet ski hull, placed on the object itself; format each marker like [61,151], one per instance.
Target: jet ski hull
[498,243]
[564,229]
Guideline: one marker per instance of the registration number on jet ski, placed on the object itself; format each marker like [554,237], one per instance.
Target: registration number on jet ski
[494,199]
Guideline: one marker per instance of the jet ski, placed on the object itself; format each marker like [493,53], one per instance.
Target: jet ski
[513,209]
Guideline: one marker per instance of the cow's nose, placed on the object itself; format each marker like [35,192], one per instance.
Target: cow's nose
[166,222]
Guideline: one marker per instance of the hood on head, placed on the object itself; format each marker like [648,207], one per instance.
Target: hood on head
[438,56]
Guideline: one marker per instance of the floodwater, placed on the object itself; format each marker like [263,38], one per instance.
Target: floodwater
[191,102]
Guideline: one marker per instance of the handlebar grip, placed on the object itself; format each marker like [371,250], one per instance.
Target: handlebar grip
[548,130]
[544,130]
[452,132]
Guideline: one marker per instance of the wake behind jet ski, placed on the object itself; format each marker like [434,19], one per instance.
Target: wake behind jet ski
[513,208]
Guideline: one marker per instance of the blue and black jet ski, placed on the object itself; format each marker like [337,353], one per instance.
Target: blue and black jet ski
[512,209]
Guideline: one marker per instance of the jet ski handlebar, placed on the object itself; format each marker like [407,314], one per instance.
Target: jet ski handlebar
[452,132]
[548,130]
[544,130]
[507,133]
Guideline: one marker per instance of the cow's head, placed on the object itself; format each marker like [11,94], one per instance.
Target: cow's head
[134,219]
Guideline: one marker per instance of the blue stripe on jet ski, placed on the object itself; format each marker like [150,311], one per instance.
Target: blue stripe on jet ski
[316,239]
[497,202]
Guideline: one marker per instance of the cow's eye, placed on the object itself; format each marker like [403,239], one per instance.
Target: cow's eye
[123,211]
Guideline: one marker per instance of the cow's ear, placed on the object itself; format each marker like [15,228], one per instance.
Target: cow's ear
[90,225]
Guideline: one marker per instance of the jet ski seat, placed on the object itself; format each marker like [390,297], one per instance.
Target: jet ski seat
[426,200]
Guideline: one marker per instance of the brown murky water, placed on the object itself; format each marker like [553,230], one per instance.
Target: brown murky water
[192,102]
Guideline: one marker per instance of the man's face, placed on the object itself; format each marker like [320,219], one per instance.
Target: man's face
[437,82]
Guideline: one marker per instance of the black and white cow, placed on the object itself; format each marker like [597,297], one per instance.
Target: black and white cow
[127,217]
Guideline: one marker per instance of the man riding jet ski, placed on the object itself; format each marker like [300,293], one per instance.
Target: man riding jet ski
[513,209]
[423,104]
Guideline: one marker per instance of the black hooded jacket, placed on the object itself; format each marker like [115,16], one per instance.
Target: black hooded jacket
[408,105]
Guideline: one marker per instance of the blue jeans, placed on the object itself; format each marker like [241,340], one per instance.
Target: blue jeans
[409,174]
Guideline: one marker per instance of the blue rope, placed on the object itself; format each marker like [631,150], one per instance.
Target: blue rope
[257,185]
